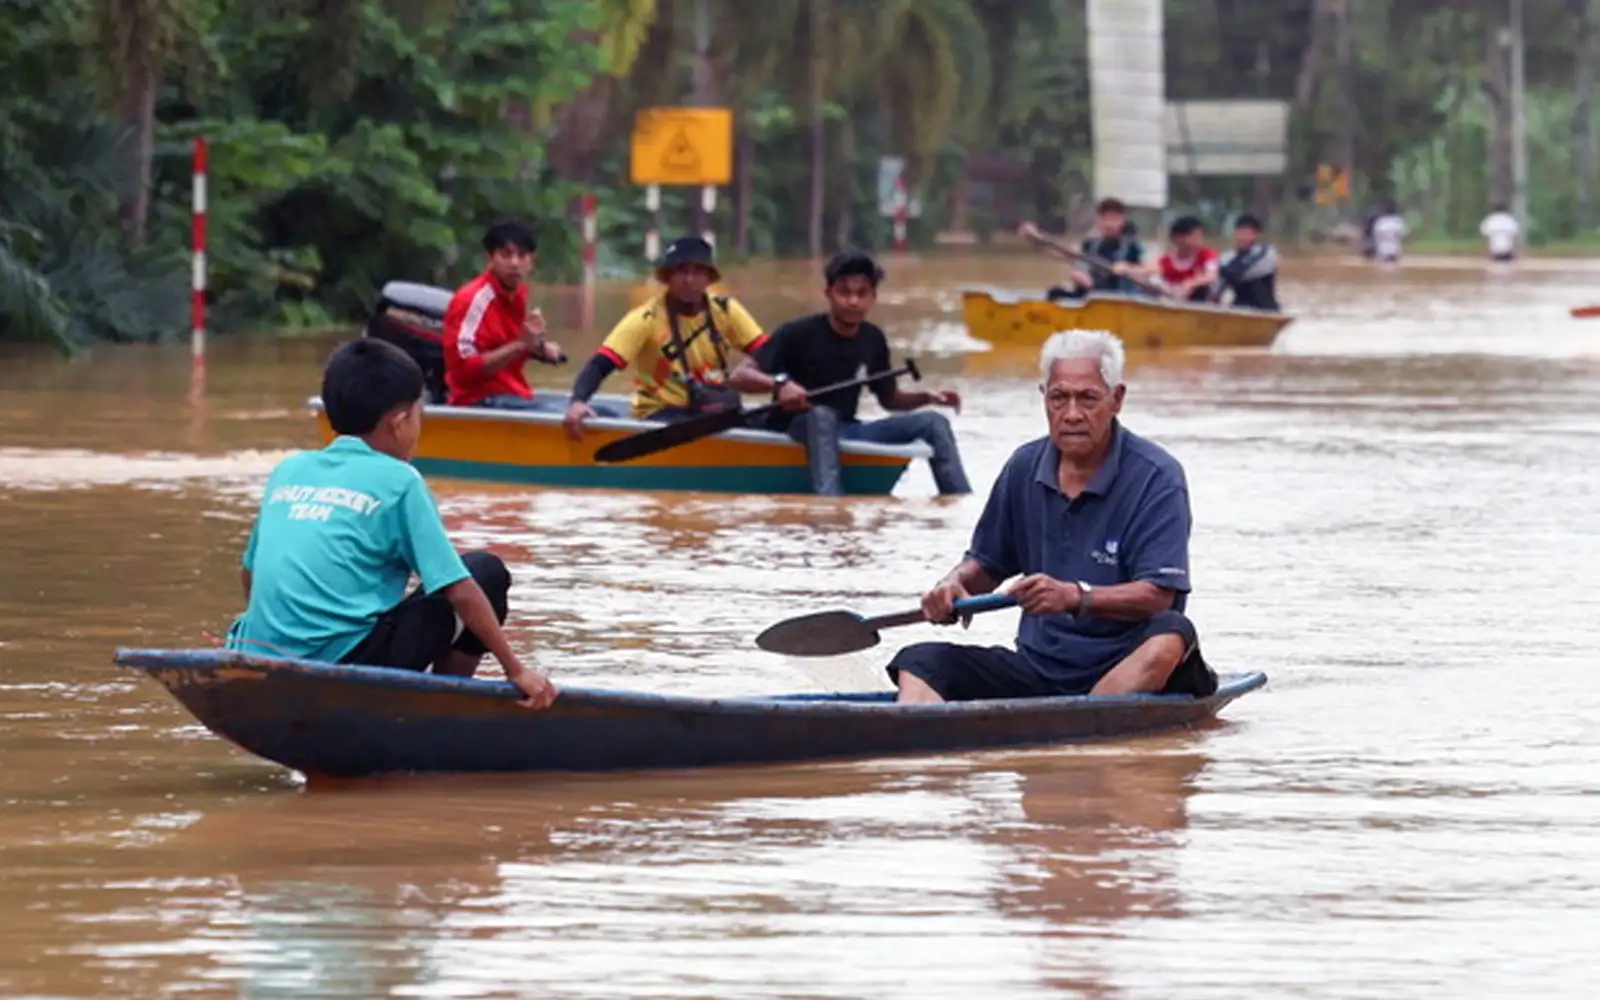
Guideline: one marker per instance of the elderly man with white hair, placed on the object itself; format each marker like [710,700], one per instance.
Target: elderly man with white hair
[1095,519]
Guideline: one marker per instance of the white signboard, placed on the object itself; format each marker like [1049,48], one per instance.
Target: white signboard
[1227,138]
[1127,91]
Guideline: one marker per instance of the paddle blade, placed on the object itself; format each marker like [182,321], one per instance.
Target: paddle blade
[1585,312]
[668,436]
[826,633]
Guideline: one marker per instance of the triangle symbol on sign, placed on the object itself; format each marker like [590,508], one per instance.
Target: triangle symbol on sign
[680,154]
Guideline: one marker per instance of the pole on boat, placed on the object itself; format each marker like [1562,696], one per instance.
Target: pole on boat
[197,326]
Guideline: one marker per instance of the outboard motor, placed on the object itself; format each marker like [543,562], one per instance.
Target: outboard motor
[411,317]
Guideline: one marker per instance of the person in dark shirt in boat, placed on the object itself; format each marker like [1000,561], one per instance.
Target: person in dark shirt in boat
[837,346]
[489,334]
[1116,242]
[677,343]
[340,531]
[1095,519]
[1250,269]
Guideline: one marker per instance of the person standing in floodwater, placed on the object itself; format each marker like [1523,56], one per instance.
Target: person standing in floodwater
[1500,230]
[1388,234]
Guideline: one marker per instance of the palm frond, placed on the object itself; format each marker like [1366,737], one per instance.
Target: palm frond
[29,310]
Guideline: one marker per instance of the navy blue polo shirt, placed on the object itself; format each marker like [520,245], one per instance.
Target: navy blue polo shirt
[1130,523]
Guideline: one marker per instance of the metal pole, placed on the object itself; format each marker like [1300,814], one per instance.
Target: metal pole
[591,236]
[1519,122]
[652,235]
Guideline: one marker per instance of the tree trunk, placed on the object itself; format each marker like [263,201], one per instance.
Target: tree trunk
[579,125]
[961,202]
[1306,83]
[705,87]
[139,118]
[819,133]
[745,192]
[1346,154]
[1584,13]
[1497,86]
[846,187]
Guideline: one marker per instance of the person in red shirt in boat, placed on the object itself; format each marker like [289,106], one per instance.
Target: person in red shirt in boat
[1189,267]
[489,334]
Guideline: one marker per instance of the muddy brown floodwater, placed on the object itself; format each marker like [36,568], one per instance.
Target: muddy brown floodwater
[1396,519]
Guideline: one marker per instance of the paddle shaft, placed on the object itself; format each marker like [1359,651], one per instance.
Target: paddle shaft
[964,606]
[832,633]
[909,368]
[1094,261]
[672,435]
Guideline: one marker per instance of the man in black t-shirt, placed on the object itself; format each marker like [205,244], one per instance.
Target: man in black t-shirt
[1115,241]
[837,346]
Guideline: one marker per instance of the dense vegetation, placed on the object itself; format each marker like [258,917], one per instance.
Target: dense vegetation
[358,140]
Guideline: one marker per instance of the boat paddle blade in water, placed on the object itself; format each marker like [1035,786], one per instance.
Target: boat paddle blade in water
[831,633]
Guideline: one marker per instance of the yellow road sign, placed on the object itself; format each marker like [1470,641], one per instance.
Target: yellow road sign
[682,146]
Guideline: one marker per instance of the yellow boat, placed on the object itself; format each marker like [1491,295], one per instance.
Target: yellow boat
[533,449]
[1001,317]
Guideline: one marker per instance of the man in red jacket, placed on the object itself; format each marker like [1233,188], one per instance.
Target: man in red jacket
[489,334]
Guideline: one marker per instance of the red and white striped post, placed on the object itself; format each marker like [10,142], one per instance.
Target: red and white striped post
[197,333]
[902,206]
[591,236]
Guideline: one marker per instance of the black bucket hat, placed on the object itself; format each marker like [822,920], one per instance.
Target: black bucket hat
[687,250]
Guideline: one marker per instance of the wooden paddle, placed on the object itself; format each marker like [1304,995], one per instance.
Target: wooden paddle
[829,633]
[1100,263]
[672,435]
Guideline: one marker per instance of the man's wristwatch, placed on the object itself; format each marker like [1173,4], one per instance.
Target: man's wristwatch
[1085,599]
[778,382]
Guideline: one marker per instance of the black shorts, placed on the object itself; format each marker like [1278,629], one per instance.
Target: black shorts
[973,673]
[1503,258]
[423,628]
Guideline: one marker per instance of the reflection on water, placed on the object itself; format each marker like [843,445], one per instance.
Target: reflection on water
[751,868]
[1394,518]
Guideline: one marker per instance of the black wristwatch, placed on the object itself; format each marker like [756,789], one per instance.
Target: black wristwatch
[778,382]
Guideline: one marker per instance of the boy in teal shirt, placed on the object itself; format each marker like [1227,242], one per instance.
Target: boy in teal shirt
[341,530]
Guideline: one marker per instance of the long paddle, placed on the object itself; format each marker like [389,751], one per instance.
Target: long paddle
[1100,263]
[829,633]
[672,435]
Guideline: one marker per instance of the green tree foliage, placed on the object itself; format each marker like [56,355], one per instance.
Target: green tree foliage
[358,141]
[350,142]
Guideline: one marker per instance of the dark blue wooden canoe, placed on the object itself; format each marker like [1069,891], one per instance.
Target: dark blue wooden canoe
[350,721]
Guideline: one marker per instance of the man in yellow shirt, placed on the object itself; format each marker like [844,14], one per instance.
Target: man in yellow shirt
[678,345]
